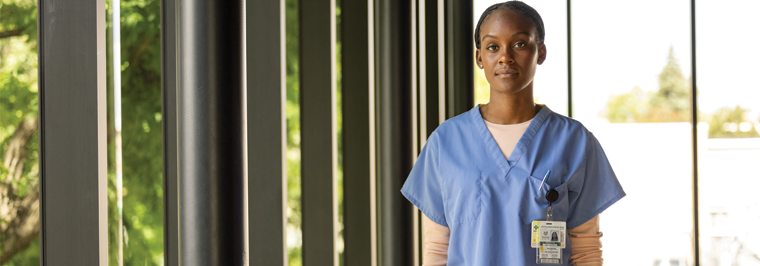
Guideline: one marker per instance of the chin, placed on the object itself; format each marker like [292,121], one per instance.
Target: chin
[509,89]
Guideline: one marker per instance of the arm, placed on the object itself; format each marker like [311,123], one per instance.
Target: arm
[586,244]
[436,243]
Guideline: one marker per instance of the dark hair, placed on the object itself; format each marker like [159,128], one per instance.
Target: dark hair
[519,8]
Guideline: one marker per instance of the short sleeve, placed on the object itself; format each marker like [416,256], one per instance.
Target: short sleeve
[423,186]
[593,189]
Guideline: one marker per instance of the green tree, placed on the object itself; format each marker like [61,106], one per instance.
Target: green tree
[141,137]
[630,107]
[19,175]
[730,122]
[140,66]
[671,102]
[292,113]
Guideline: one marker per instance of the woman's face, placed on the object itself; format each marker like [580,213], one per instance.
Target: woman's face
[509,51]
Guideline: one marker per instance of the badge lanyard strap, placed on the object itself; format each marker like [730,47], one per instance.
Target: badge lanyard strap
[549,252]
[551,196]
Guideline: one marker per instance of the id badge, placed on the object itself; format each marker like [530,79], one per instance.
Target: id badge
[548,231]
[548,237]
[549,253]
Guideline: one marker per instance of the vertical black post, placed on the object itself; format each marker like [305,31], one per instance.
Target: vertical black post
[319,147]
[211,132]
[431,62]
[460,57]
[169,125]
[72,135]
[394,130]
[357,187]
[267,180]
[694,121]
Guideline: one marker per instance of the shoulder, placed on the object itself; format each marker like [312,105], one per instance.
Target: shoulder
[455,128]
[558,121]
[566,130]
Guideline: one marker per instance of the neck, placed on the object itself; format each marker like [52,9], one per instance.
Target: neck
[505,108]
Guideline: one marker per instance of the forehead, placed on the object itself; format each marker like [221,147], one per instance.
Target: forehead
[506,22]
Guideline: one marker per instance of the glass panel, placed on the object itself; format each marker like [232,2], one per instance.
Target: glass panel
[293,155]
[135,162]
[550,82]
[339,117]
[728,139]
[631,88]
[19,170]
[293,116]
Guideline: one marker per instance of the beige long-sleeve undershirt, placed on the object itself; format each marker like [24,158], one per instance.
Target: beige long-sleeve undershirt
[585,240]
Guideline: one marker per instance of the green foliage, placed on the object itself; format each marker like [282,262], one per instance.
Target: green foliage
[141,137]
[671,103]
[730,122]
[292,112]
[18,98]
[29,256]
[141,88]
[19,18]
[630,107]
[141,116]
[293,155]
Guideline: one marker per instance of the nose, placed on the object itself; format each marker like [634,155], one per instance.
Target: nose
[505,57]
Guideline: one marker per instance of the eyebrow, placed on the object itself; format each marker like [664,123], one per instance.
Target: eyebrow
[522,32]
[513,35]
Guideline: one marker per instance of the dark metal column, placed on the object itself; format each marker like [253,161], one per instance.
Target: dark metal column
[394,130]
[460,57]
[358,200]
[169,126]
[694,141]
[267,179]
[431,62]
[319,147]
[211,133]
[72,134]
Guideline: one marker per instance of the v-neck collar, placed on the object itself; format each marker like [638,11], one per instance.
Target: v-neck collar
[493,148]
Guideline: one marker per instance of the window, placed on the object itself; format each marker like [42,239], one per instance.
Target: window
[631,88]
[728,98]
[135,162]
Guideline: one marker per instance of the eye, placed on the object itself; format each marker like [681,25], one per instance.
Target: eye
[491,47]
[519,45]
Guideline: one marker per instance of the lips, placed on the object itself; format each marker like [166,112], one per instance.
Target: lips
[506,73]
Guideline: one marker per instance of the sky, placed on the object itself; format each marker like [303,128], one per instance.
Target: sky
[618,45]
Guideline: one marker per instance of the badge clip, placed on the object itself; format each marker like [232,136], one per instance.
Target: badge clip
[548,237]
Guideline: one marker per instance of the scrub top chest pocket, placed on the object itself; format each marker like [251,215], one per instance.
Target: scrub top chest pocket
[536,204]
[463,191]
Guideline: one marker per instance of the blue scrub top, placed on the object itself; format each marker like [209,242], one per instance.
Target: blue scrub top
[462,180]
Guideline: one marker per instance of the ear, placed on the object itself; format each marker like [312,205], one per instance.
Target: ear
[478,59]
[541,53]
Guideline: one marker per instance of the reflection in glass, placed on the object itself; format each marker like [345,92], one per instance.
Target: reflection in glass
[550,83]
[728,139]
[631,88]
[19,152]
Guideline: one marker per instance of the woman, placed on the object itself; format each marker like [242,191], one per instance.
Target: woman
[483,176]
